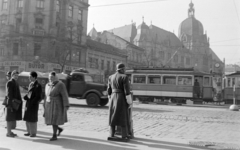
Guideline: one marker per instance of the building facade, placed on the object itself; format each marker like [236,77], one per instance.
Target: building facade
[43,35]
[101,59]
[135,54]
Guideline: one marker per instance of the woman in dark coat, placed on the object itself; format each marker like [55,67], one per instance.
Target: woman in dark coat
[56,104]
[33,98]
[12,92]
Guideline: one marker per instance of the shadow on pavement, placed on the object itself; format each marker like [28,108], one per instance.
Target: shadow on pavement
[4,148]
[80,142]
[106,107]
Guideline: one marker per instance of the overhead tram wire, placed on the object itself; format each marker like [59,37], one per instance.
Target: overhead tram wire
[114,4]
[236,11]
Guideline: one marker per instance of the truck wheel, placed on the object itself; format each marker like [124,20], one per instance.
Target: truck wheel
[92,99]
[103,102]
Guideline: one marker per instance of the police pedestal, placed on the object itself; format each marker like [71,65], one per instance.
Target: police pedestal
[129,130]
[234,107]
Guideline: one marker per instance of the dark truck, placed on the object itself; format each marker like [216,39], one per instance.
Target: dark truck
[79,85]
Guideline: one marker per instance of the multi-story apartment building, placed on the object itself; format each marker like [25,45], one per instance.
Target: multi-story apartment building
[102,59]
[43,35]
[135,54]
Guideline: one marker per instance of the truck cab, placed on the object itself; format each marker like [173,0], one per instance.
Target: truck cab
[79,85]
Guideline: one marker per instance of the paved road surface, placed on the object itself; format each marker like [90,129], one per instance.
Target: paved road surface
[158,121]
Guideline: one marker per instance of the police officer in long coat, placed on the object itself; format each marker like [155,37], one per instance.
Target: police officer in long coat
[118,89]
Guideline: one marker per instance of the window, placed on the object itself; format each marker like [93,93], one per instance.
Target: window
[169,56]
[206,81]
[93,62]
[175,58]
[39,21]
[228,82]
[139,79]
[77,78]
[15,48]
[37,49]
[161,54]
[57,6]
[170,80]
[154,79]
[70,11]
[19,3]
[233,81]
[18,22]
[188,61]
[114,65]
[5,4]
[102,64]
[75,56]
[79,15]
[184,80]
[40,4]
[88,78]
[108,65]
[3,20]
[182,59]
[1,51]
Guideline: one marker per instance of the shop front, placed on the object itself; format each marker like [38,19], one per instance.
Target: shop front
[12,65]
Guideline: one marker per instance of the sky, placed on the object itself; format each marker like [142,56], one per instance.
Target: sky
[220,19]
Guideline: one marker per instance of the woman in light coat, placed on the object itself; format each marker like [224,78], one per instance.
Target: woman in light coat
[56,104]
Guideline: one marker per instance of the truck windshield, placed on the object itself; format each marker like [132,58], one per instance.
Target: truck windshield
[88,78]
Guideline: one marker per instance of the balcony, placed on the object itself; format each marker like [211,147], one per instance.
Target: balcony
[38,32]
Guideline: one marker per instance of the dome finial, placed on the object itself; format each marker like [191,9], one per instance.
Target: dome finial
[143,18]
[93,25]
[191,10]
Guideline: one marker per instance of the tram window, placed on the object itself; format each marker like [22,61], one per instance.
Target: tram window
[171,80]
[228,82]
[139,79]
[206,81]
[184,80]
[237,82]
[233,81]
[154,79]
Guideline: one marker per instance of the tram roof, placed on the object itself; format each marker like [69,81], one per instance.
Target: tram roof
[237,73]
[189,71]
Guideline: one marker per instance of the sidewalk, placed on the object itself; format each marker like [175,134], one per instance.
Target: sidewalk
[82,140]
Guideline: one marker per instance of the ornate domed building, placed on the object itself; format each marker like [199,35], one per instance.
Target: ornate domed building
[191,33]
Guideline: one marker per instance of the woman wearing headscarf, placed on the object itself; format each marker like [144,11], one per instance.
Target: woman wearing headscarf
[56,104]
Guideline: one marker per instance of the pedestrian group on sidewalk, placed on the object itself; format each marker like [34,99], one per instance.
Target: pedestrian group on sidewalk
[56,104]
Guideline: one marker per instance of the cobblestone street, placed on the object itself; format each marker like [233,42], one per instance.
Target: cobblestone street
[161,121]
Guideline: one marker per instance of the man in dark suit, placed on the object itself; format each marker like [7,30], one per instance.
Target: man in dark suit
[12,92]
[118,89]
[33,98]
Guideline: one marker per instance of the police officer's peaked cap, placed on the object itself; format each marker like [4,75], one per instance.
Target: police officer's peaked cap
[8,73]
[120,66]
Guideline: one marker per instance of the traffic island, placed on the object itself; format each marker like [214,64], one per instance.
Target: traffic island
[234,107]
[215,145]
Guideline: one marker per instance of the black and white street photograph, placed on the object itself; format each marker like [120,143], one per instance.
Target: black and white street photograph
[119,75]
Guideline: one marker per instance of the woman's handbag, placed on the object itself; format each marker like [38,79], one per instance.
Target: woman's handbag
[16,103]
[5,101]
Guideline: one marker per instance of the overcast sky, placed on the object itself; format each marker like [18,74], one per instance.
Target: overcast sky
[220,19]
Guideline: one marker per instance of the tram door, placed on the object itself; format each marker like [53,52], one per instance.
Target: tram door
[207,87]
[197,87]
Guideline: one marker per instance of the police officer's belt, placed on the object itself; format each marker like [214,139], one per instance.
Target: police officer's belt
[117,91]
